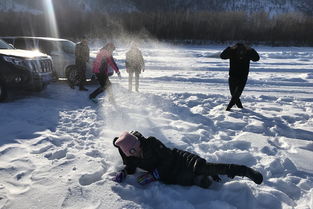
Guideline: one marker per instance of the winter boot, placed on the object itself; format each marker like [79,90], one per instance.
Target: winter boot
[241,170]
[254,175]
[232,103]
[94,100]
[229,106]
[82,88]
[72,86]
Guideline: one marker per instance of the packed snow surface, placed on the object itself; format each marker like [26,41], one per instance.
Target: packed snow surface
[56,146]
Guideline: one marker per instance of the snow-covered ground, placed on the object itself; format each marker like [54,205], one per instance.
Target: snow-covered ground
[56,146]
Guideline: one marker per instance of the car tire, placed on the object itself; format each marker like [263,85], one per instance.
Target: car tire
[72,75]
[3,92]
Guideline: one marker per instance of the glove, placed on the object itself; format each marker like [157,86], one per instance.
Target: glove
[137,134]
[119,75]
[148,177]
[120,176]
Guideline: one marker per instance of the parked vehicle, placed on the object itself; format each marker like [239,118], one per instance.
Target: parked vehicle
[62,52]
[23,69]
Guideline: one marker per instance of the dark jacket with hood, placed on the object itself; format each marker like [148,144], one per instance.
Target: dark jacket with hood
[174,166]
[81,52]
[240,56]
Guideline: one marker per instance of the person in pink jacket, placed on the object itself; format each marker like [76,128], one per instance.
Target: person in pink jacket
[104,66]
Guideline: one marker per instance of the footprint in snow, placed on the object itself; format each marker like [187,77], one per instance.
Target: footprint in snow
[95,154]
[78,197]
[56,155]
[88,179]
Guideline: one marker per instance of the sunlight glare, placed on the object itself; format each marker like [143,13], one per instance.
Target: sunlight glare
[50,16]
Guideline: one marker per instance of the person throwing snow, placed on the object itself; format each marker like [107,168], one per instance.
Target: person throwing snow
[104,66]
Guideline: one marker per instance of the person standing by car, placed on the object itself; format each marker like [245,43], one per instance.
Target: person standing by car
[134,64]
[239,56]
[81,58]
[104,66]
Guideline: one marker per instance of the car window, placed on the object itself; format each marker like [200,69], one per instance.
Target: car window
[8,40]
[20,44]
[4,45]
[31,44]
[47,47]
[68,46]
[25,44]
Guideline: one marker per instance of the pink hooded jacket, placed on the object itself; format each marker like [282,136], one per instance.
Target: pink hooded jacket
[111,65]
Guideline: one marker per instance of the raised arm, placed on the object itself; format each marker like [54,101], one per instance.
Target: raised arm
[227,53]
[253,55]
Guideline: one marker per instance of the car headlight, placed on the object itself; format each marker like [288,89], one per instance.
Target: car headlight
[14,61]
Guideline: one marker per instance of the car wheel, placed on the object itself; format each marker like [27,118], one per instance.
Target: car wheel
[73,76]
[3,92]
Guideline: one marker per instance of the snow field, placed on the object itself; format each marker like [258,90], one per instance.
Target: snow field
[56,146]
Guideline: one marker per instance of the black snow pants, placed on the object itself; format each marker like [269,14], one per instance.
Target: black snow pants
[81,70]
[189,166]
[104,82]
[236,87]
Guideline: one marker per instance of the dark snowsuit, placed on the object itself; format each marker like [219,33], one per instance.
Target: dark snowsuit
[176,166]
[134,64]
[81,58]
[240,56]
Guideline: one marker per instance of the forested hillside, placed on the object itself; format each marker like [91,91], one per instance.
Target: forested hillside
[270,21]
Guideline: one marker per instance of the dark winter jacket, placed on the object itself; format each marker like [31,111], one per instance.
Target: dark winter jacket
[82,52]
[240,56]
[172,164]
[134,61]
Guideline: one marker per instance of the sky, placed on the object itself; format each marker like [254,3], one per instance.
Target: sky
[56,146]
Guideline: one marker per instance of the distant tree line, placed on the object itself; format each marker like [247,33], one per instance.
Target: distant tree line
[291,28]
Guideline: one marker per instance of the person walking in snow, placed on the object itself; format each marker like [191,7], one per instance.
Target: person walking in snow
[239,56]
[81,58]
[171,166]
[134,64]
[104,66]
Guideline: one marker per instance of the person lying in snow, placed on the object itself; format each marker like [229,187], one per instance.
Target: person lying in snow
[171,166]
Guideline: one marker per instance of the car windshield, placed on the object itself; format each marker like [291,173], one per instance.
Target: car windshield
[4,45]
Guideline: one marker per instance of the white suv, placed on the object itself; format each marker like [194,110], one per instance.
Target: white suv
[62,52]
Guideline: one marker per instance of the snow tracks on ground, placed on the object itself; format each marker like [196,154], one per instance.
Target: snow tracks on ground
[67,160]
